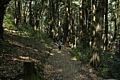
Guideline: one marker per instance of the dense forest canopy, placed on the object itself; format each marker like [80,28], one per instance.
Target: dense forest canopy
[89,27]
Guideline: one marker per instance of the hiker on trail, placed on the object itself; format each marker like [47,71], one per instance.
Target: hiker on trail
[59,45]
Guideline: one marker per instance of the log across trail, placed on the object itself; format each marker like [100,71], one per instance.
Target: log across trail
[61,66]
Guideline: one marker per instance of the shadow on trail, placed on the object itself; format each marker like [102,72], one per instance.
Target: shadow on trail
[61,66]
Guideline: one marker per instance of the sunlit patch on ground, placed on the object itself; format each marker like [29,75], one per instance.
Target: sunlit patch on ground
[90,70]
[82,76]
[23,57]
[59,51]
[74,58]
[60,70]
[51,54]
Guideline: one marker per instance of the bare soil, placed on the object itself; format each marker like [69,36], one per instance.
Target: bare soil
[61,66]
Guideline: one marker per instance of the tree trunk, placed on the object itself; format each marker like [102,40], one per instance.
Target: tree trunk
[97,33]
[30,14]
[94,61]
[89,22]
[67,22]
[58,21]
[29,69]
[24,20]
[93,27]
[84,27]
[115,21]
[2,12]
[3,4]
[19,11]
[106,26]
[51,16]
[80,20]
[15,15]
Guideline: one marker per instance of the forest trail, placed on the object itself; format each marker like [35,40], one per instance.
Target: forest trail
[61,66]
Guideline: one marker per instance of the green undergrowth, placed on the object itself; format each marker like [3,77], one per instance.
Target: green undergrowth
[109,65]
[29,31]
[81,54]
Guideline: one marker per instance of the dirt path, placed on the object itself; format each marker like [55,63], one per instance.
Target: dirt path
[60,66]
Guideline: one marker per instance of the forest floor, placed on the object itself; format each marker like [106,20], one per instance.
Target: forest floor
[62,66]
[16,50]
[49,61]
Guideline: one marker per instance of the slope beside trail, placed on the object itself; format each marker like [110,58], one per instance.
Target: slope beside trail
[61,66]
[18,49]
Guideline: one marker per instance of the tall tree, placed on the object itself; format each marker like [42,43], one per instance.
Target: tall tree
[80,19]
[30,14]
[51,17]
[3,4]
[98,13]
[115,19]
[106,26]
[89,24]
[67,22]
[84,24]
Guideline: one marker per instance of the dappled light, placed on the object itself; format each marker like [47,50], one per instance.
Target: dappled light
[59,51]
[52,54]
[74,58]
[25,58]
[64,67]
[59,39]
[24,50]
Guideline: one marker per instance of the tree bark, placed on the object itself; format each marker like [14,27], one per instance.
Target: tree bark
[2,12]
[3,4]
[30,14]
[106,26]
[67,22]
[115,21]
[51,16]
[80,20]
[19,12]
[84,27]
[89,21]
[29,69]
[97,33]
